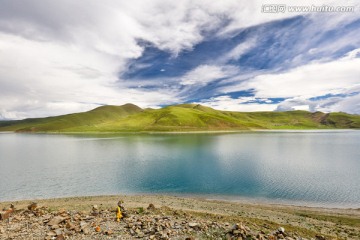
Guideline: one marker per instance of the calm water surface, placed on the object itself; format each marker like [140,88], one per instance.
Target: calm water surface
[307,168]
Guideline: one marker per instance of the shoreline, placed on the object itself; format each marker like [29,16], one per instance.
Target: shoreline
[310,130]
[307,222]
[209,197]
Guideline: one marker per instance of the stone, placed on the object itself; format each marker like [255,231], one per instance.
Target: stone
[58,231]
[235,226]
[53,227]
[61,211]
[85,230]
[56,220]
[2,230]
[51,234]
[228,236]
[70,226]
[67,232]
[260,236]
[32,206]
[5,214]
[281,230]
[60,237]
[280,236]
[320,237]
[95,208]
[151,207]
[83,224]
[193,224]
[244,228]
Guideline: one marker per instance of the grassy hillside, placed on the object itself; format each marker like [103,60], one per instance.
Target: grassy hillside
[61,123]
[184,117]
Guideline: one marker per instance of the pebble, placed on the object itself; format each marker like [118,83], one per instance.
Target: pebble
[51,234]
[193,224]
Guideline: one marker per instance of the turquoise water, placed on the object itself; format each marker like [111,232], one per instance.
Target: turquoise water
[307,168]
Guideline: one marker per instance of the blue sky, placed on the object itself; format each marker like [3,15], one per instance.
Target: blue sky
[63,56]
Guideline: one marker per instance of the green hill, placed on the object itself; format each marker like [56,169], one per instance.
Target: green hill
[88,119]
[183,117]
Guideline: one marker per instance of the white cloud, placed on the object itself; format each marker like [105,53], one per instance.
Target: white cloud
[353,54]
[63,56]
[249,13]
[314,79]
[44,78]
[349,104]
[66,56]
[303,83]
[238,51]
[207,73]
[242,104]
[302,107]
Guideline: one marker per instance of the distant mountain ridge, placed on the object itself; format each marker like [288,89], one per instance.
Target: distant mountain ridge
[183,117]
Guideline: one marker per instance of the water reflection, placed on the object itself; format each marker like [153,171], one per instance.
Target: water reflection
[311,167]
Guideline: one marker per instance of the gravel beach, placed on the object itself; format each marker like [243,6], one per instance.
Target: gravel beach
[171,217]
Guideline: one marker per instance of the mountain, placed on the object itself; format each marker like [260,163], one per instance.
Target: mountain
[88,119]
[183,117]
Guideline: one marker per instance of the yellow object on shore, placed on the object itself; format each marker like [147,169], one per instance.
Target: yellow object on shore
[118,214]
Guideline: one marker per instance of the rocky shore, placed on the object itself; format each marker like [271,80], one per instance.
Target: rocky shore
[168,217]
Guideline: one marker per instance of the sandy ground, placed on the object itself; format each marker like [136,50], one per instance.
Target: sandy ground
[306,222]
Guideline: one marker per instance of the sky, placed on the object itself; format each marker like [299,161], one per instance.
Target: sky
[66,56]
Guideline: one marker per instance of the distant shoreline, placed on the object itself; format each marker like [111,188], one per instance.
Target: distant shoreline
[193,132]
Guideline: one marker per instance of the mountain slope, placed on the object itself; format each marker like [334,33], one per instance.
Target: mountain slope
[61,123]
[183,117]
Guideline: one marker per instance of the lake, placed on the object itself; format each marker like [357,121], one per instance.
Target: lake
[313,168]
